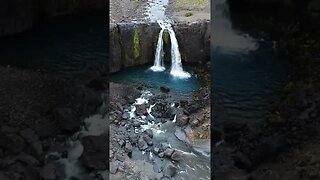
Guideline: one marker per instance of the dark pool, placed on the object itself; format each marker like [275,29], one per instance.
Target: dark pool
[142,74]
[246,83]
[65,44]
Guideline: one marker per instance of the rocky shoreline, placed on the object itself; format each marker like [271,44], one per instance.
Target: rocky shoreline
[39,113]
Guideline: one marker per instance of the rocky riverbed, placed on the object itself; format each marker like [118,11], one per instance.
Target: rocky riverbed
[135,131]
[40,116]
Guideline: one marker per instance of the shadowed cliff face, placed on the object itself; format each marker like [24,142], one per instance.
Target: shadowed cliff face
[17,16]
[134,44]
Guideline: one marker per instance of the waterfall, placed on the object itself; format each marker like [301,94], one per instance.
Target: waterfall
[224,36]
[158,60]
[176,64]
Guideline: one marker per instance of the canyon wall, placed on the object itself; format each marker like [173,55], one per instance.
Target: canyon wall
[134,44]
[20,15]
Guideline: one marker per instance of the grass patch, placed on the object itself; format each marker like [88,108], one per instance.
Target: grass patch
[188,14]
[196,4]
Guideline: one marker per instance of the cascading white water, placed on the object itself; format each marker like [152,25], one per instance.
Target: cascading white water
[158,60]
[176,64]
[224,36]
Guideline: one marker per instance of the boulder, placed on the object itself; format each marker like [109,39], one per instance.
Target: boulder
[94,153]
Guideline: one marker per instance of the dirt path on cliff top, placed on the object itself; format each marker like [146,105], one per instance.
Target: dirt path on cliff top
[179,10]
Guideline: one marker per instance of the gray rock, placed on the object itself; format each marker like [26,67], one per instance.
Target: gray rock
[136,124]
[48,172]
[133,138]
[94,153]
[128,147]
[168,152]
[120,157]
[148,140]
[182,120]
[156,150]
[149,133]
[141,109]
[113,167]
[169,171]
[161,155]
[176,156]
[125,116]
[122,142]
[142,145]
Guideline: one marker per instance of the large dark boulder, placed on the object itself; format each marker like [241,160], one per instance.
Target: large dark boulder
[94,153]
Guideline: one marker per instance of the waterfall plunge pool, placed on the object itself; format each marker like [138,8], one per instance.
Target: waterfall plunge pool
[154,80]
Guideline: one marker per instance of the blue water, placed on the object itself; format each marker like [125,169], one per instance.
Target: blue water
[245,84]
[64,45]
[142,74]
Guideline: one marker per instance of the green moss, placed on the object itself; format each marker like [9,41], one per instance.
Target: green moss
[188,14]
[166,37]
[136,45]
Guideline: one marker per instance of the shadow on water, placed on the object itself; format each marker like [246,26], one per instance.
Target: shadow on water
[246,83]
[64,44]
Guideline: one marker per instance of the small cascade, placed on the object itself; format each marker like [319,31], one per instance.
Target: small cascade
[176,64]
[158,60]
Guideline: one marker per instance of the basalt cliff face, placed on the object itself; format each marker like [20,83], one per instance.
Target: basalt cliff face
[17,16]
[134,44]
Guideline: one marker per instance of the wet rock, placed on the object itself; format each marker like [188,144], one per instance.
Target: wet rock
[183,103]
[161,155]
[168,152]
[141,109]
[142,145]
[181,135]
[148,139]
[164,89]
[128,147]
[136,124]
[182,120]
[113,167]
[176,156]
[149,133]
[125,116]
[94,153]
[156,150]
[169,171]
[48,172]
[67,119]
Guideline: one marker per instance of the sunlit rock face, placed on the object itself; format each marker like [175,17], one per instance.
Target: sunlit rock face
[18,16]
